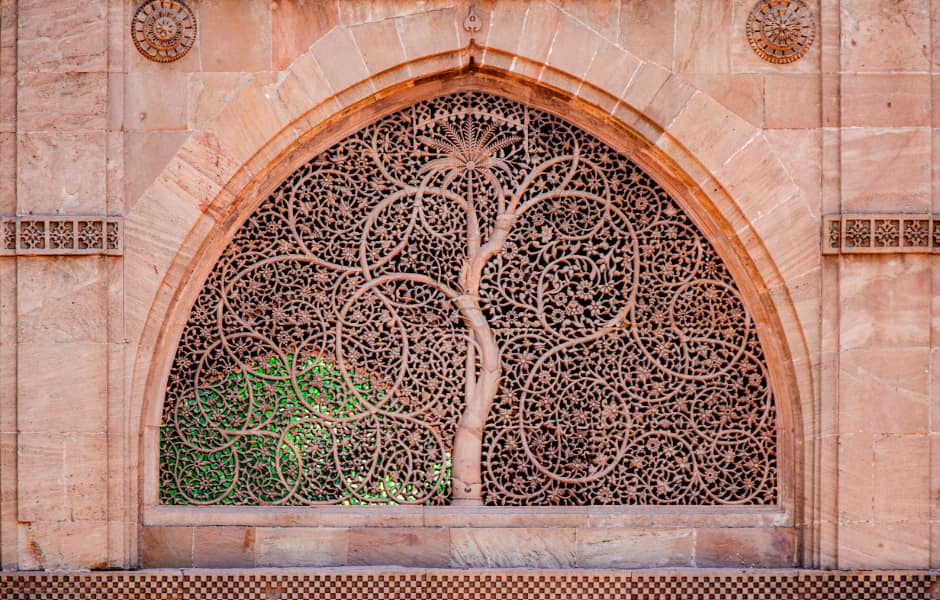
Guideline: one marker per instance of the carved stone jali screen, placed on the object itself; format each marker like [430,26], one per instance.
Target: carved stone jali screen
[469,301]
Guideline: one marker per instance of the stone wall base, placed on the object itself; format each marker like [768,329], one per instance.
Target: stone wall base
[415,584]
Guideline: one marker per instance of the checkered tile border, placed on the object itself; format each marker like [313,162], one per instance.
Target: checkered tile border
[470,585]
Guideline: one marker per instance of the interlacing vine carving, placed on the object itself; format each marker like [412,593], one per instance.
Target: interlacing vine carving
[469,302]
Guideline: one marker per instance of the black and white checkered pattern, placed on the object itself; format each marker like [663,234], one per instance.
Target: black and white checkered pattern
[469,585]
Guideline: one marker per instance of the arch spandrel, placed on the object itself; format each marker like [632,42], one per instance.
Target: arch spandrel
[528,236]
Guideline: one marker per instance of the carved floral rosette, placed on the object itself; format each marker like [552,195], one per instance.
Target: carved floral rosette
[781,31]
[163,30]
[469,300]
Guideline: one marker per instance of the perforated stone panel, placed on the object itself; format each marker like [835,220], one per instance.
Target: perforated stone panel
[469,264]
[467,585]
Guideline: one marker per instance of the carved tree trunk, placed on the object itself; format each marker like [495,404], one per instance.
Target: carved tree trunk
[482,386]
[481,391]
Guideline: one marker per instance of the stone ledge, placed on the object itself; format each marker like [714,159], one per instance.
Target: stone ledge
[534,584]
[477,547]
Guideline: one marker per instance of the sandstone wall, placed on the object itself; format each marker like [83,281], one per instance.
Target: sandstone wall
[89,127]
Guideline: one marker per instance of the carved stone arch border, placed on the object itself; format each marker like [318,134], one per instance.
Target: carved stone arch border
[705,156]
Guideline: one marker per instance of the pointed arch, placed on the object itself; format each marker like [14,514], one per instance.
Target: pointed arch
[208,216]
[540,323]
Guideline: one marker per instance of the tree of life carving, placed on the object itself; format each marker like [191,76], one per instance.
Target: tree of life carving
[469,302]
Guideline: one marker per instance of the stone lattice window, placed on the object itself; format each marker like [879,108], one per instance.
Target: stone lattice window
[469,301]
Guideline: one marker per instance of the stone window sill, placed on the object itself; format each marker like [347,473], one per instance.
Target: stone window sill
[418,516]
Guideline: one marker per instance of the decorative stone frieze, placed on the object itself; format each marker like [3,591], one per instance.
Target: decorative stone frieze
[781,31]
[61,235]
[163,30]
[880,233]
[442,583]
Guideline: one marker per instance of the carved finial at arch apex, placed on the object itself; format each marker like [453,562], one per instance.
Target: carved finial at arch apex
[781,31]
[163,30]
[472,23]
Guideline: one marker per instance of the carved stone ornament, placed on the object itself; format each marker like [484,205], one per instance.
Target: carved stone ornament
[472,23]
[163,30]
[781,31]
[469,301]
[881,234]
[59,235]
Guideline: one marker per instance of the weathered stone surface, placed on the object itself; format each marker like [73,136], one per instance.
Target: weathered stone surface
[61,172]
[235,35]
[883,35]
[8,173]
[46,403]
[871,287]
[209,93]
[775,548]
[428,33]
[339,59]
[703,32]
[612,69]
[505,26]
[725,134]
[146,154]
[888,394]
[856,478]
[296,25]
[41,481]
[70,35]
[886,167]
[167,547]
[602,17]
[573,48]
[647,29]
[56,545]
[146,111]
[902,479]
[61,101]
[299,547]
[513,547]
[742,93]
[793,101]
[84,461]
[225,547]
[895,546]
[895,100]
[535,40]
[62,300]
[366,11]
[622,548]
[800,152]
[380,44]
[407,547]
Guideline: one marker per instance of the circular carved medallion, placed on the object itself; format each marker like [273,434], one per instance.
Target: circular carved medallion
[781,31]
[163,30]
